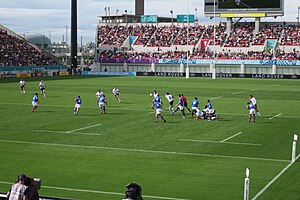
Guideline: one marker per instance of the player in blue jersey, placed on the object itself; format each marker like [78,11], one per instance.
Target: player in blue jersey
[195,108]
[208,110]
[102,102]
[157,106]
[35,102]
[180,105]
[251,110]
[77,102]
[157,99]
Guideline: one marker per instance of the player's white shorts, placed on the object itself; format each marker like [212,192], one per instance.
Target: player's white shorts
[199,113]
[77,105]
[181,107]
[35,104]
[101,104]
[252,111]
[158,111]
[211,111]
[195,109]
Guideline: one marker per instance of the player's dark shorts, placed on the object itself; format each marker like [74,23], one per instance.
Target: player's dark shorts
[42,89]
[171,103]
[185,104]
[22,87]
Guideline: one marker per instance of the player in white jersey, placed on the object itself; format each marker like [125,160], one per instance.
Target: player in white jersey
[155,93]
[99,94]
[116,93]
[42,88]
[171,100]
[22,85]
[253,101]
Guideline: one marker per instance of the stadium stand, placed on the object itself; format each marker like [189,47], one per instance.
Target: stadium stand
[15,51]
[241,43]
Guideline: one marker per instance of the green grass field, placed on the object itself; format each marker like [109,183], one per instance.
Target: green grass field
[93,156]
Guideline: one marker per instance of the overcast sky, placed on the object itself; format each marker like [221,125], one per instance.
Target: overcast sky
[45,16]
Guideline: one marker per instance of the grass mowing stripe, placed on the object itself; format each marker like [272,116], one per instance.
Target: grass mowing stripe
[211,141]
[98,192]
[142,150]
[140,109]
[231,137]
[274,179]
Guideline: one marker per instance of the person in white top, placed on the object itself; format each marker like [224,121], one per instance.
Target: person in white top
[99,94]
[253,101]
[155,93]
[171,100]
[22,85]
[18,190]
[42,88]
[116,93]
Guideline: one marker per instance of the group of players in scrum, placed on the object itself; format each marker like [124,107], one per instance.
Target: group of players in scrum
[207,113]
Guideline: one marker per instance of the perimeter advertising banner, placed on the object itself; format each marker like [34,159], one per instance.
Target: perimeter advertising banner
[108,73]
[220,75]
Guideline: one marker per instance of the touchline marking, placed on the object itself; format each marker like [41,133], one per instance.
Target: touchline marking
[143,151]
[231,137]
[79,129]
[216,97]
[211,141]
[275,116]
[253,89]
[76,133]
[99,192]
[274,179]
[237,93]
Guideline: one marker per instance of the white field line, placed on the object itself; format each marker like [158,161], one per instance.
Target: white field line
[76,133]
[275,116]
[79,129]
[237,93]
[274,179]
[211,141]
[276,85]
[143,151]
[139,109]
[98,192]
[231,137]
[253,89]
[216,97]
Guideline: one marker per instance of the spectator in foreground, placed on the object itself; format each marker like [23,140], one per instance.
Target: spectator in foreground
[18,191]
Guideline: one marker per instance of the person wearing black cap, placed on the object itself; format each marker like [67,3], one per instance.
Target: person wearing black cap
[18,191]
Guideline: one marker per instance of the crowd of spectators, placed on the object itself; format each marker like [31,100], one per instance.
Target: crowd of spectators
[198,54]
[18,52]
[117,35]
[240,37]
[220,34]
[268,32]
[290,35]
[144,34]
[194,35]
[294,55]
[164,36]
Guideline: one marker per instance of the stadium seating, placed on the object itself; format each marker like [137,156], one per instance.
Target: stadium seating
[242,43]
[18,52]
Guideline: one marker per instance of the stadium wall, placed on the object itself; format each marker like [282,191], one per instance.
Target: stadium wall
[199,68]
